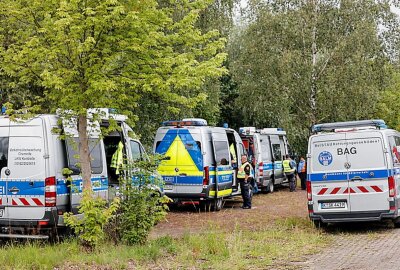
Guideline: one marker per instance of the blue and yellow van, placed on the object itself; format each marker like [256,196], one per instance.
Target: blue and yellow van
[200,161]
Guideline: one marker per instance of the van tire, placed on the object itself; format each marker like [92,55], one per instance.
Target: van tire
[319,224]
[213,204]
[218,204]
[270,187]
[396,222]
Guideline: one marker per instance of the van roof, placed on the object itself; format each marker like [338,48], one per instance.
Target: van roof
[349,126]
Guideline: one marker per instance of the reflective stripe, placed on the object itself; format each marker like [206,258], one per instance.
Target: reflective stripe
[224,192]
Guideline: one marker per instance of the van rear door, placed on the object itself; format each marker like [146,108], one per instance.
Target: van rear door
[26,171]
[167,146]
[223,170]
[368,172]
[328,174]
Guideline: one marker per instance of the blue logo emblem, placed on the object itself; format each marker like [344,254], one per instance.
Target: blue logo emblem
[325,158]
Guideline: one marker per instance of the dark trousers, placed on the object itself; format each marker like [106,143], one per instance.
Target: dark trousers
[303,176]
[292,182]
[245,188]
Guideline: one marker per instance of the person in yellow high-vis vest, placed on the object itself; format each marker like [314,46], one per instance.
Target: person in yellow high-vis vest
[289,171]
[245,175]
[117,159]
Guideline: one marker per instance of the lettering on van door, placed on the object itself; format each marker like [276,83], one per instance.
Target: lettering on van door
[25,156]
[347,151]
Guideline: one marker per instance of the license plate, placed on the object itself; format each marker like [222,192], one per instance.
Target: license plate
[1,213]
[330,205]
[168,187]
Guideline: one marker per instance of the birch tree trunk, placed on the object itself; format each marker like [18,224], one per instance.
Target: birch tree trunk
[84,154]
[314,51]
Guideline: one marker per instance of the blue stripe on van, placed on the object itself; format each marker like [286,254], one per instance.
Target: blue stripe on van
[342,176]
[268,166]
[37,189]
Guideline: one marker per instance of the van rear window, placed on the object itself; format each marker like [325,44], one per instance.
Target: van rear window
[222,155]
[95,154]
[3,152]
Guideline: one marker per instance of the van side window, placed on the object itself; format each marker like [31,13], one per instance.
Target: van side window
[3,152]
[221,153]
[95,154]
[136,150]
[394,143]
[276,149]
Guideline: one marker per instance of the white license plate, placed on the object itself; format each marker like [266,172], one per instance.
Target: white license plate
[1,213]
[168,187]
[330,205]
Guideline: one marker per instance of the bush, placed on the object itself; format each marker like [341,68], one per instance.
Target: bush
[96,214]
[142,203]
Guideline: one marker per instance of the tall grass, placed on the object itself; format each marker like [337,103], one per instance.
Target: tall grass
[243,248]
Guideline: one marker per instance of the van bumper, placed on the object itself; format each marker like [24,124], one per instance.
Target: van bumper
[50,216]
[353,216]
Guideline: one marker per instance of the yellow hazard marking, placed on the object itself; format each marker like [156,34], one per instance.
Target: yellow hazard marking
[221,193]
[180,159]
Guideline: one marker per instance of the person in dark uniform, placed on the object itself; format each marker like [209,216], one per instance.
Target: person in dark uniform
[245,176]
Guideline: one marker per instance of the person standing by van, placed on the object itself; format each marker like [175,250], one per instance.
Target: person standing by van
[302,171]
[289,170]
[245,176]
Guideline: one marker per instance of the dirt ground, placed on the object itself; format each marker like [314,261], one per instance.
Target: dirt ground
[266,209]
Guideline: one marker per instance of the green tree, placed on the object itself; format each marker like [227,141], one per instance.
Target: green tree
[110,53]
[303,62]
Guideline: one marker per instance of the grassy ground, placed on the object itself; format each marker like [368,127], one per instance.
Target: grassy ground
[286,240]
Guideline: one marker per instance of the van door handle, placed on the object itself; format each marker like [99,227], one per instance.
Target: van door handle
[182,174]
[356,178]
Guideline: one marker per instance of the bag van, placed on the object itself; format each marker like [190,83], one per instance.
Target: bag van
[266,148]
[34,193]
[199,164]
[353,172]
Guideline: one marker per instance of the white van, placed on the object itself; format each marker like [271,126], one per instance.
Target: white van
[198,163]
[34,193]
[267,148]
[353,172]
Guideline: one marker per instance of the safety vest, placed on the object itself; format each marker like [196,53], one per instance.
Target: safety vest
[286,167]
[232,150]
[241,173]
[117,159]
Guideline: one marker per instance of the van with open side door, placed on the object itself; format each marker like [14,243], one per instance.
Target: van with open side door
[34,193]
[198,164]
[353,172]
[266,148]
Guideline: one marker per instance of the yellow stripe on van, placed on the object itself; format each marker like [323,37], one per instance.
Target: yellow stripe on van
[224,192]
[179,158]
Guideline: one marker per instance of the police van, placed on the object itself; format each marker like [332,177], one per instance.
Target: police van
[267,148]
[353,172]
[34,193]
[200,163]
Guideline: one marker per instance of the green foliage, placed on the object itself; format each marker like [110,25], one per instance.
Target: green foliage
[142,204]
[301,62]
[95,215]
[387,108]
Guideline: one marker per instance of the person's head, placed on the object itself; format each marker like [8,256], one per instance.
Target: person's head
[302,158]
[287,157]
[244,158]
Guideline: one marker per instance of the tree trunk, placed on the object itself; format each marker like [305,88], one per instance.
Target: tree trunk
[84,154]
[313,93]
